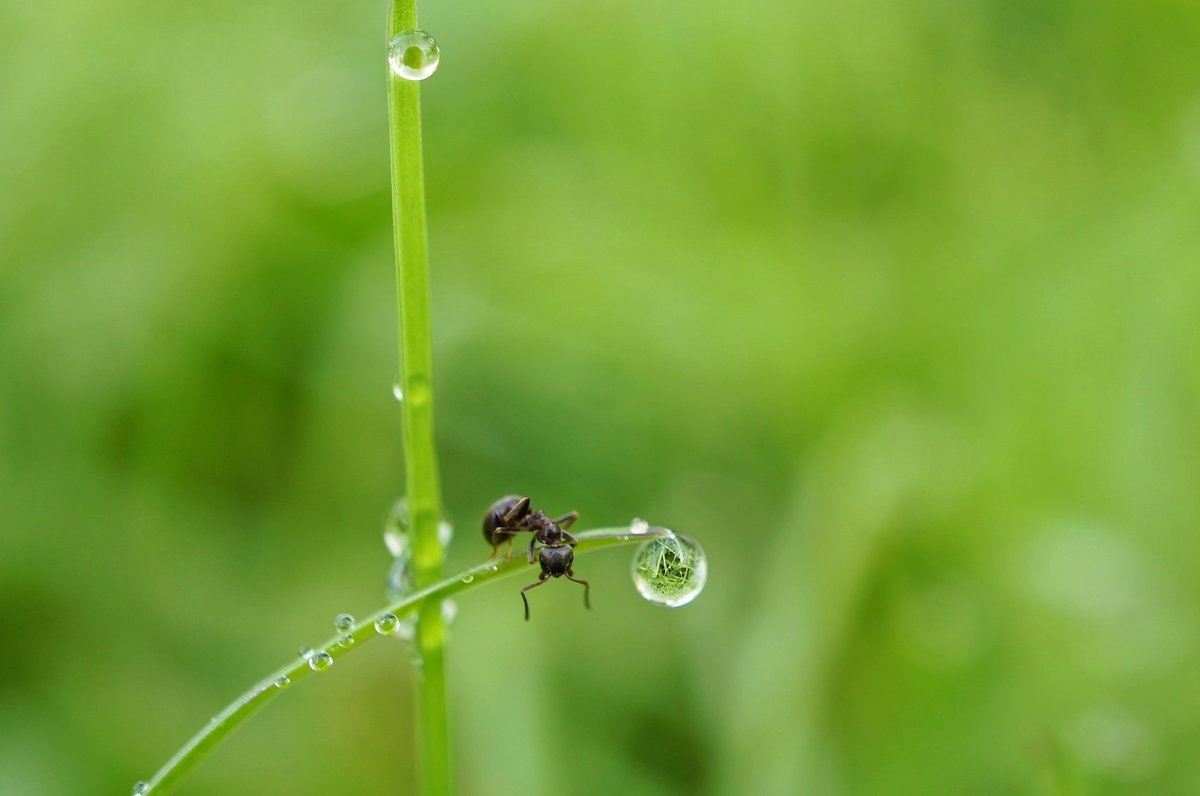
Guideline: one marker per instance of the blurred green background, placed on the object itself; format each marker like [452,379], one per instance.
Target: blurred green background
[893,306]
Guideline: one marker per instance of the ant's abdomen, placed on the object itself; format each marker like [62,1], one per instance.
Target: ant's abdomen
[494,518]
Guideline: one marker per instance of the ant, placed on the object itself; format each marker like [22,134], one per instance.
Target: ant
[510,515]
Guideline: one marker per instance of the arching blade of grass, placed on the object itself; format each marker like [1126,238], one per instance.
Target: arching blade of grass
[224,723]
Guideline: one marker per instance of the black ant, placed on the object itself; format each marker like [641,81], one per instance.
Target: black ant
[510,515]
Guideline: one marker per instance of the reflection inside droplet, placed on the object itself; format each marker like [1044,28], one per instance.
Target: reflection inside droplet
[670,571]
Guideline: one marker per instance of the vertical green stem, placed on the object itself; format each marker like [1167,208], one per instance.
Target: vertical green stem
[416,368]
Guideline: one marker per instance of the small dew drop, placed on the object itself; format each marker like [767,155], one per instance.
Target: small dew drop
[399,579]
[343,622]
[398,521]
[306,653]
[140,788]
[398,391]
[387,624]
[413,55]
[670,571]
[468,578]
[283,681]
[320,661]
[346,641]
[494,568]
[639,526]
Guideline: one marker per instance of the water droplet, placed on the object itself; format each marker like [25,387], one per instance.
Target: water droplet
[283,681]
[346,641]
[449,611]
[639,526]
[413,55]
[343,622]
[398,521]
[320,661]
[398,391]
[467,578]
[494,568]
[400,579]
[140,788]
[386,624]
[670,571]
[445,533]
[306,653]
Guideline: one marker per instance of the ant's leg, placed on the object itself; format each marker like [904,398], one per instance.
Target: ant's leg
[571,540]
[508,555]
[586,589]
[517,512]
[566,520]
[496,547]
[531,543]
[525,599]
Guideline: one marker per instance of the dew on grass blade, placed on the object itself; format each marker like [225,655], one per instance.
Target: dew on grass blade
[346,641]
[397,525]
[343,622]
[670,571]
[140,788]
[413,55]
[639,526]
[306,653]
[398,391]
[467,578]
[400,581]
[387,624]
[282,681]
[320,661]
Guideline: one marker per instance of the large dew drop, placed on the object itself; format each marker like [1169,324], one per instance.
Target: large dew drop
[413,55]
[343,622]
[140,788]
[320,661]
[387,624]
[670,571]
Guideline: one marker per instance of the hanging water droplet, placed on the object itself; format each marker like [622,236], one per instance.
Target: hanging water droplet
[306,653]
[445,532]
[414,55]
[320,661]
[386,624]
[343,622]
[399,518]
[399,579]
[283,681]
[639,526]
[346,641]
[670,571]
[467,578]
[449,611]
[398,391]
[140,788]
[494,568]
